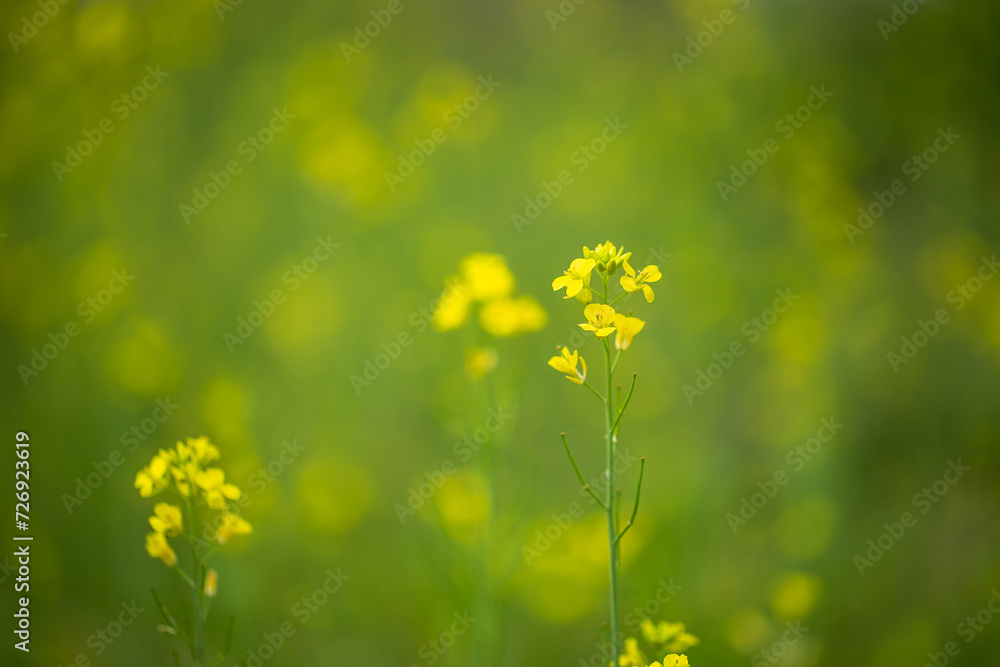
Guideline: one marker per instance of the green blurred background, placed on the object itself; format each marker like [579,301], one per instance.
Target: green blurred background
[653,190]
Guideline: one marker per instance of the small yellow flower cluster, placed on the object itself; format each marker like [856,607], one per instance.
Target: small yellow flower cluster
[601,317]
[662,637]
[183,470]
[484,280]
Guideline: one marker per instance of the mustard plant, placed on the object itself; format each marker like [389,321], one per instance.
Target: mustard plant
[183,471]
[589,280]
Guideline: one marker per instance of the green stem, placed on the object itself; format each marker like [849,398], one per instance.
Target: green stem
[197,586]
[610,505]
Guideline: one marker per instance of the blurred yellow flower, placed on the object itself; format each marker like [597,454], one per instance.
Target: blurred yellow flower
[453,308]
[167,519]
[480,361]
[600,319]
[631,655]
[487,276]
[567,363]
[232,525]
[213,482]
[671,636]
[200,449]
[157,547]
[633,282]
[512,317]
[211,583]
[576,279]
[627,328]
[154,478]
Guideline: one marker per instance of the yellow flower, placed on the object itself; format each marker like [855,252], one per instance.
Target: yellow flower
[512,317]
[480,361]
[154,478]
[600,319]
[633,282]
[627,328]
[167,519]
[202,450]
[211,583]
[567,363]
[631,655]
[487,276]
[213,482]
[453,308]
[674,660]
[576,279]
[683,642]
[608,257]
[157,547]
[232,525]
[184,473]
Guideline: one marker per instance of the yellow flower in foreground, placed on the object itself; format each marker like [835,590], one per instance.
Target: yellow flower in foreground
[575,279]
[211,583]
[512,317]
[631,655]
[154,478]
[232,525]
[487,276]
[633,282]
[600,319]
[683,642]
[674,660]
[213,482]
[157,547]
[167,519]
[453,307]
[627,328]
[567,363]
[607,256]
[480,361]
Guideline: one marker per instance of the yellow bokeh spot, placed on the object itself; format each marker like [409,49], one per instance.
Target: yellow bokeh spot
[747,629]
[464,505]
[225,408]
[144,361]
[102,28]
[794,595]
[334,495]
